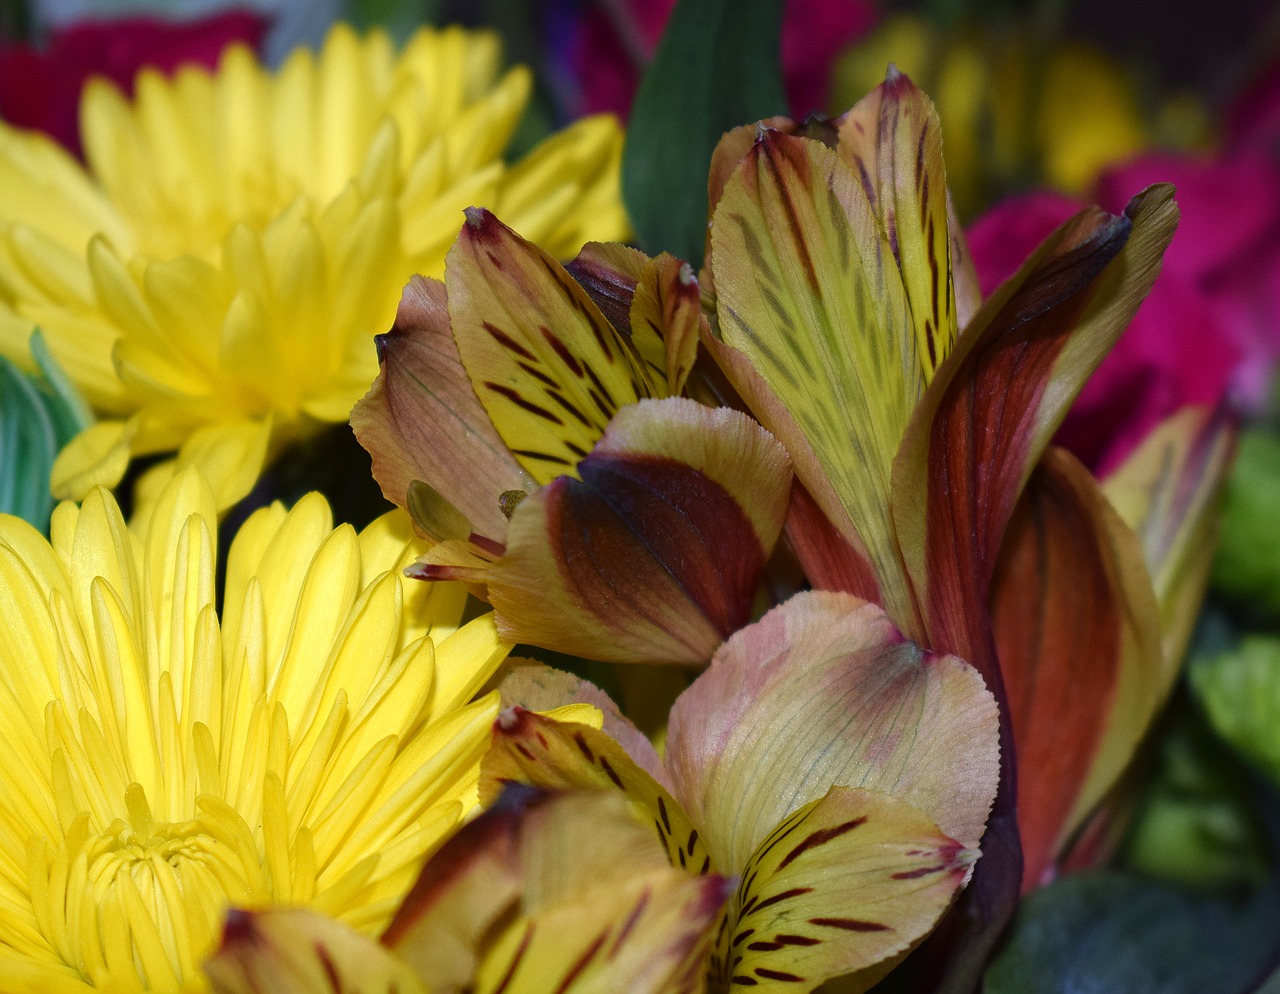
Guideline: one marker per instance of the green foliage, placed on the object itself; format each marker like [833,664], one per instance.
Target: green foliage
[717,66]
[39,413]
[1247,566]
[1195,826]
[1106,932]
[1240,691]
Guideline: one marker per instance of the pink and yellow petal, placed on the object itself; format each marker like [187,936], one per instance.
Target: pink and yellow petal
[557,892]
[893,140]
[534,749]
[824,691]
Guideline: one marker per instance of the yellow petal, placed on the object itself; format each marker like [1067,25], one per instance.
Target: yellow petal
[98,456]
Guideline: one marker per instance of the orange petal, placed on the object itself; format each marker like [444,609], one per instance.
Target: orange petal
[1072,610]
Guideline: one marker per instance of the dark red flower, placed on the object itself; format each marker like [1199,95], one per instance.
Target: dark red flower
[40,88]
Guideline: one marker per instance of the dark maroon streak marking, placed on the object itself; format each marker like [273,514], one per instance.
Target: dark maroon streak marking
[662,810]
[851,924]
[741,937]
[330,968]
[515,398]
[561,350]
[628,925]
[507,342]
[539,375]
[520,747]
[583,748]
[767,974]
[515,960]
[821,837]
[923,871]
[577,968]
[542,456]
[786,895]
[542,739]
[617,780]
[610,291]
[745,981]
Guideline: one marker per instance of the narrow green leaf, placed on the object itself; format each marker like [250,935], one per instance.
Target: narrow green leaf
[1107,932]
[39,413]
[717,66]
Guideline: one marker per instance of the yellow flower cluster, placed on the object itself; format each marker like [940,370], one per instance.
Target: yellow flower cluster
[213,277]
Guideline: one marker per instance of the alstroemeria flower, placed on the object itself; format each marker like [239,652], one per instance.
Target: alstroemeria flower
[210,278]
[914,416]
[640,521]
[565,892]
[841,773]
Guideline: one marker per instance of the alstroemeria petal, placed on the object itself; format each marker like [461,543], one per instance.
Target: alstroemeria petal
[532,749]
[536,687]
[654,555]
[1074,619]
[1169,490]
[843,883]
[546,364]
[824,691]
[421,420]
[808,290]
[893,140]
[994,404]
[666,322]
[297,951]
[563,892]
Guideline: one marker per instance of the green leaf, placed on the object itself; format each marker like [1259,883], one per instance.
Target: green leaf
[1247,566]
[1106,932]
[39,413]
[1195,825]
[717,66]
[1240,692]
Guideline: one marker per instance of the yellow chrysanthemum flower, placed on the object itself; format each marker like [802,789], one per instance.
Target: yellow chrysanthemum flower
[311,747]
[213,278]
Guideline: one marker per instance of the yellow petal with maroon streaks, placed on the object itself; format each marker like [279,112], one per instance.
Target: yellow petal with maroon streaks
[893,140]
[532,749]
[545,362]
[807,288]
[841,884]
